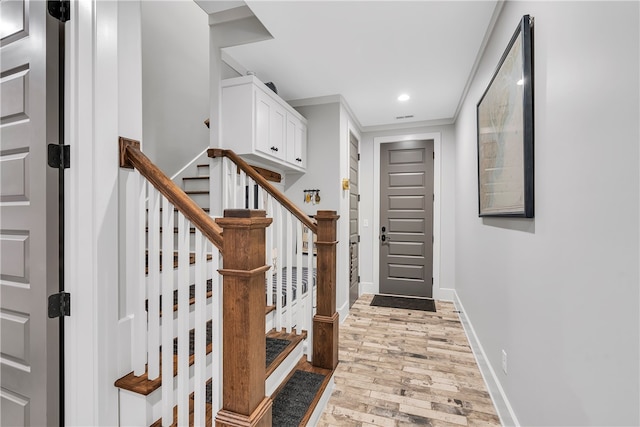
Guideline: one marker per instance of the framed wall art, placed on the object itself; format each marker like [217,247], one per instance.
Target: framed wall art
[505,132]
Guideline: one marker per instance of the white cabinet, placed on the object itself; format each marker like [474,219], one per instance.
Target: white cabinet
[296,141]
[258,124]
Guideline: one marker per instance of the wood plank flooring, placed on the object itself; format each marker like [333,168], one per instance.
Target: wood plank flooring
[405,368]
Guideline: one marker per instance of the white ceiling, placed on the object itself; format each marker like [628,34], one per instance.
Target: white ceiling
[370,52]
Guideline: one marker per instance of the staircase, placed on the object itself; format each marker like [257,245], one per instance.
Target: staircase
[285,380]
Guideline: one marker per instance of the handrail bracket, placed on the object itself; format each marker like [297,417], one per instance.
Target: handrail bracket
[124,144]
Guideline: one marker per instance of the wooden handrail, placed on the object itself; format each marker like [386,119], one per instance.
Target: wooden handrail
[275,193]
[131,157]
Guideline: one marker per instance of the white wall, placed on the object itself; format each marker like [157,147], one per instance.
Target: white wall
[175,83]
[560,293]
[369,246]
[326,145]
[323,160]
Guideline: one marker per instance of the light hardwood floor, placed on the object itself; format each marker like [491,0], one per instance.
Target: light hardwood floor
[405,367]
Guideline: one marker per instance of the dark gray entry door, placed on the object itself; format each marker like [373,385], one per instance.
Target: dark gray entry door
[406,218]
[354,274]
[29,344]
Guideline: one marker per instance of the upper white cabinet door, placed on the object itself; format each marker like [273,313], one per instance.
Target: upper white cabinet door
[270,126]
[300,146]
[296,139]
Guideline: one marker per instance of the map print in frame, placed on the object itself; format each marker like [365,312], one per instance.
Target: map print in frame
[505,132]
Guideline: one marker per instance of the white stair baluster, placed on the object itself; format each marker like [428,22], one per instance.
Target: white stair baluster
[269,252]
[225,183]
[250,193]
[279,264]
[182,400]
[262,198]
[135,238]
[216,342]
[167,313]
[242,190]
[300,317]
[289,255]
[153,281]
[200,330]
[310,294]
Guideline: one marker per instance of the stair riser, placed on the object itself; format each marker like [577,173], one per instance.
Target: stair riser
[139,410]
[203,170]
[283,370]
[195,184]
[201,200]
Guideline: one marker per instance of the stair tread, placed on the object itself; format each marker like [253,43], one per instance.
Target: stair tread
[202,165]
[193,178]
[294,339]
[143,385]
[269,308]
[307,367]
[197,192]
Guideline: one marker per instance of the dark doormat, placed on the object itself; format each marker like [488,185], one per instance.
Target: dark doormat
[404,302]
[275,346]
[294,399]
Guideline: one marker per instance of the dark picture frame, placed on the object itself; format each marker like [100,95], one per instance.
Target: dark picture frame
[505,132]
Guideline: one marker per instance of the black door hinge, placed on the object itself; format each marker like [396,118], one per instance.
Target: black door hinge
[59,156]
[358,197]
[358,238]
[59,305]
[358,156]
[60,9]
[358,278]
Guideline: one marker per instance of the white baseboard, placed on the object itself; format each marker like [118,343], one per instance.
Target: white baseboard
[498,396]
[368,288]
[322,404]
[445,294]
[442,294]
[343,311]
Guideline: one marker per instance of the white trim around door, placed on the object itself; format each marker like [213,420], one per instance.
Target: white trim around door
[437,149]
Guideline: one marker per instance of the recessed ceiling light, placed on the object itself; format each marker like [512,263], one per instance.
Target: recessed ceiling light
[404,97]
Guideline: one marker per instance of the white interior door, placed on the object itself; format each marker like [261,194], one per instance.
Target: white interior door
[29,347]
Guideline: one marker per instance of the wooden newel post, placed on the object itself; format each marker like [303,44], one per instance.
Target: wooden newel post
[243,397]
[325,322]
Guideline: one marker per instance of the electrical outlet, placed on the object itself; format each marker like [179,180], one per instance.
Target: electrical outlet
[504,361]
